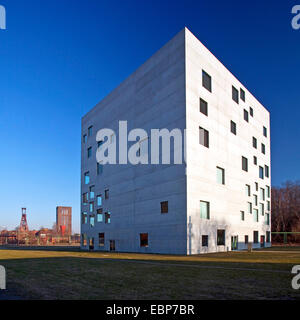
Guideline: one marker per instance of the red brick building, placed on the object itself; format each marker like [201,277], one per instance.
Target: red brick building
[64,221]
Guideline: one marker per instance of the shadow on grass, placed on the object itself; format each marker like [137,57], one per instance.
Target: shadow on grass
[88,277]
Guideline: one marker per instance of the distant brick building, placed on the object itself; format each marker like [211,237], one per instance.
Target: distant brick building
[64,221]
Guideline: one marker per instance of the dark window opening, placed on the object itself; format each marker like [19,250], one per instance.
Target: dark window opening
[204,137]
[221,237]
[205,241]
[233,127]
[206,80]
[203,107]
[235,94]
[164,207]
[144,239]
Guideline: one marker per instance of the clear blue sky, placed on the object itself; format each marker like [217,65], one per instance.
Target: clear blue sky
[58,58]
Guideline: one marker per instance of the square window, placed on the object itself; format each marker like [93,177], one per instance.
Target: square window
[235,94]
[244,164]
[246,115]
[233,127]
[204,137]
[205,241]
[203,107]
[221,237]
[206,81]
[242,94]
[164,207]
[204,210]
[220,175]
[144,239]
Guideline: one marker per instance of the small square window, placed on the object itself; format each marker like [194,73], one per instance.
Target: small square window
[206,81]
[144,240]
[242,94]
[233,127]
[164,207]
[244,164]
[203,107]
[235,94]
[205,241]
[246,115]
[204,137]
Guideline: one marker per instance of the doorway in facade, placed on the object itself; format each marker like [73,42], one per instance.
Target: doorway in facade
[234,242]
[112,245]
[91,244]
[262,241]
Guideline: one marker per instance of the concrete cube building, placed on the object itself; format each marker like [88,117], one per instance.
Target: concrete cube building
[218,199]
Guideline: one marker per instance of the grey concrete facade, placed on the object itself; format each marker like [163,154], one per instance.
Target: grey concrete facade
[164,93]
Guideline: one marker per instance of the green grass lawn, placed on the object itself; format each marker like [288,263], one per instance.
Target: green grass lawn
[88,275]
